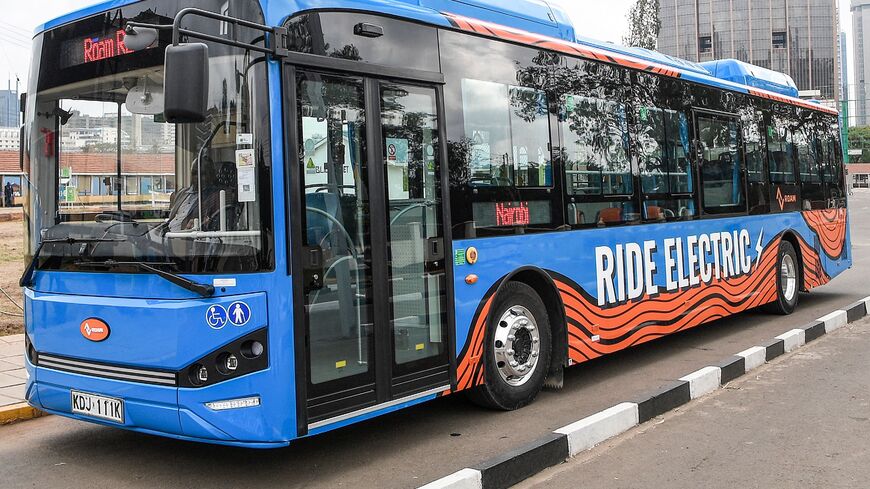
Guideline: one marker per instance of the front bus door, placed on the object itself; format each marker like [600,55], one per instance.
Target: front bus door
[374,273]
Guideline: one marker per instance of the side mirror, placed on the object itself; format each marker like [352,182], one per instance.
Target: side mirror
[185,83]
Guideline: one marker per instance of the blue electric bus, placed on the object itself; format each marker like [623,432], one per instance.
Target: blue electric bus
[260,220]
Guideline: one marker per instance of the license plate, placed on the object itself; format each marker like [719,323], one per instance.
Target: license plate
[101,407]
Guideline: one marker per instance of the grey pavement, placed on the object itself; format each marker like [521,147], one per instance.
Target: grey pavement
[12,373]
[800,421]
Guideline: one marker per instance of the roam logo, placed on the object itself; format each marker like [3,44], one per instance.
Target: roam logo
[94,329]
[784,199]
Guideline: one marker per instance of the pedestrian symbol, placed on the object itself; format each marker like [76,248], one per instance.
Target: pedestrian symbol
[239,313]
[216,317]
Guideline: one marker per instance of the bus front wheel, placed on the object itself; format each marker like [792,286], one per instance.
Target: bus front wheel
[517,349]
[787,281]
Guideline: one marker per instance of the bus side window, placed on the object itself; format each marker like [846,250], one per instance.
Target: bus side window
[508,130]
[720,165]
[665,171]
[780,152]
[758,193]
[810,158]
[599,182]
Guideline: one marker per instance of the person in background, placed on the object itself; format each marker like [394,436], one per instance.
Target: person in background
[7,194]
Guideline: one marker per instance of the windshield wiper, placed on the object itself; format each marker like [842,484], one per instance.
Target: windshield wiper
[27,278]
[197,288]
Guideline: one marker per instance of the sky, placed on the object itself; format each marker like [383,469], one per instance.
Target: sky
[603,20]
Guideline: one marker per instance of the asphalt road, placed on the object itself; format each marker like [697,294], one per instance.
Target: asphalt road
[800,421]
[411,447]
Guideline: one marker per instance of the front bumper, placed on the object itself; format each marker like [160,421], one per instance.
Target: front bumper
[164,411]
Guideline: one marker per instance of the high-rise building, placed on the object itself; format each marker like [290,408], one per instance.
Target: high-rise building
[9,114]
[861,40]
[844,67]
[796,37]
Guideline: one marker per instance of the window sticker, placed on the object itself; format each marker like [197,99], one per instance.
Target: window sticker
[245,158]
[397,151]
[247,184]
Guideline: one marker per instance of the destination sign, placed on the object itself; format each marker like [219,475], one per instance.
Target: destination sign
[93,48]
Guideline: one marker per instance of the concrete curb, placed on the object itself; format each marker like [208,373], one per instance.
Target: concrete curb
[519,464]
[18,412]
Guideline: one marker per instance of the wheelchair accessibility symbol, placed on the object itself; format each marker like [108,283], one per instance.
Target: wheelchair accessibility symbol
[216,317]
[239,313]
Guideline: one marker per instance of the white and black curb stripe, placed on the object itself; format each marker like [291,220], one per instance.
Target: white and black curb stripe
[517,465]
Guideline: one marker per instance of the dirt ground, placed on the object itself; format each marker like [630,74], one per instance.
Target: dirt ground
[11,268]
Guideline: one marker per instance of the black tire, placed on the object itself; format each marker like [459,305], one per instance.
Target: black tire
[497,393]
[784,305]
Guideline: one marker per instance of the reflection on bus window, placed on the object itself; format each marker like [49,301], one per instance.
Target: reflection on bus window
[596,135]
[507,129]
[666,176]
[720,165]
[780,151]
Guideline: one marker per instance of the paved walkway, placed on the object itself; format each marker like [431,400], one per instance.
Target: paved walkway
[12,373]
[800,421]
[11,213]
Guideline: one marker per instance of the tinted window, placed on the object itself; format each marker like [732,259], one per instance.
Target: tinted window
[501,169]
[754,146]
[779,151]
[812,156]
[595,133]
[332,34]
[720,165]
[665,170]
[509,132]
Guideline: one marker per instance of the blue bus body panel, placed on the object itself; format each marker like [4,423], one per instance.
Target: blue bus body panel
[555,252]
[163,334]
[168,332]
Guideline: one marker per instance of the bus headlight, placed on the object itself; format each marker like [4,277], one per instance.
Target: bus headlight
[227,363]
[241,357]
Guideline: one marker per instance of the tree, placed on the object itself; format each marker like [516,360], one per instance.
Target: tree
[859,138]
[643,25]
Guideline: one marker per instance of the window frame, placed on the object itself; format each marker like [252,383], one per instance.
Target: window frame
[705,211]
[692,170]
[601,198]
[503,57]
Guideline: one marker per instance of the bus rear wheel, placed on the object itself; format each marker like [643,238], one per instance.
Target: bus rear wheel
[787,281]
[517,350]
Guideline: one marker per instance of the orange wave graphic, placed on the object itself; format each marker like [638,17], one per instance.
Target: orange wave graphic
[814,274]
[649,318]
[635,323]
[830,225]
[469,370]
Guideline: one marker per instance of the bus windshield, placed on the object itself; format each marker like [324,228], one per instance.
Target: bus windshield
[104,164]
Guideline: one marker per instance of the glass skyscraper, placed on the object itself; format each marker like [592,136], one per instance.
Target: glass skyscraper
[797,37]
[860,29]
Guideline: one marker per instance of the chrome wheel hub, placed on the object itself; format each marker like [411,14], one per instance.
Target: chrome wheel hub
[788,277]
[517,345]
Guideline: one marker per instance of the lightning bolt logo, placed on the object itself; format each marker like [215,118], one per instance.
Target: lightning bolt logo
[759,248]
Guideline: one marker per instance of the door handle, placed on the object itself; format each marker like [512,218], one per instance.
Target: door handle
[312,267]
[434,254]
